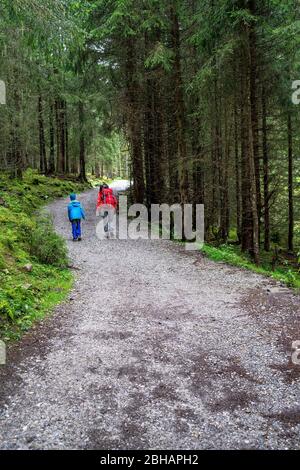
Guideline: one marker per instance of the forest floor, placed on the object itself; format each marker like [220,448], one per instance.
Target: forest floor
[156,347]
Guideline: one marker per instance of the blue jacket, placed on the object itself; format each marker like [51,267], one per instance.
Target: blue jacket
[75,211]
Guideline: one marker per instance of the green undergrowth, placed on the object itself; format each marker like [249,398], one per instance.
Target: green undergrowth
[34,273]
[285,271]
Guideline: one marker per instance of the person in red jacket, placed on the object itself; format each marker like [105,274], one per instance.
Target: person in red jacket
[106,197]
[106,207]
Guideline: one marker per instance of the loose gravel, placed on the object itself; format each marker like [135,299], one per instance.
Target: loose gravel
[156,348]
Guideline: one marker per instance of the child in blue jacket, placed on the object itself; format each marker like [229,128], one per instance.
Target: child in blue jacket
[75,213]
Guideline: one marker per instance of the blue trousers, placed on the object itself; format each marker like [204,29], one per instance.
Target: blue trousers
[76,229]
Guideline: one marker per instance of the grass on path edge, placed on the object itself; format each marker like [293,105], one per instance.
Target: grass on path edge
[34,274]
[231,255]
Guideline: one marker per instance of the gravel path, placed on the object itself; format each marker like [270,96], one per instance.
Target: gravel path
[155,348]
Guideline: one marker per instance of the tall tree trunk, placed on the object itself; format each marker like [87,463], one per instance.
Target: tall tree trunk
[57,129]
[253,137]
[247,220]
[252,173]
[51,169]
[250,224]
[60,136]
[43,159]
[290,185]
[148,135]
[66,126]
[198,173]
[147,158]
[237,173]
[62,157]
[134,121]
[82,170]
[173,176]
[254,111]
[155,146]
[17,154]
[224,216]
[266,173]
[196,143]
[159,143]
[180,113]
[213,210]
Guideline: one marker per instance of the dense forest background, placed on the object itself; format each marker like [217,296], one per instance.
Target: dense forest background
[189,99]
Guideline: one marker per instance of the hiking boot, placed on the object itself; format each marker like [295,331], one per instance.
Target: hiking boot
[79,239]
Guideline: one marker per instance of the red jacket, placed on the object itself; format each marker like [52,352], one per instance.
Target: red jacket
[106,197]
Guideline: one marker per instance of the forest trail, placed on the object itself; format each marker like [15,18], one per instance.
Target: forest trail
[155,348]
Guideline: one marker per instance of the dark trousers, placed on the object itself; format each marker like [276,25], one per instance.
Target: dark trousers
[76,229]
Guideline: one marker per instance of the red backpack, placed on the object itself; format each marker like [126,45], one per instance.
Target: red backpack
[108,197]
